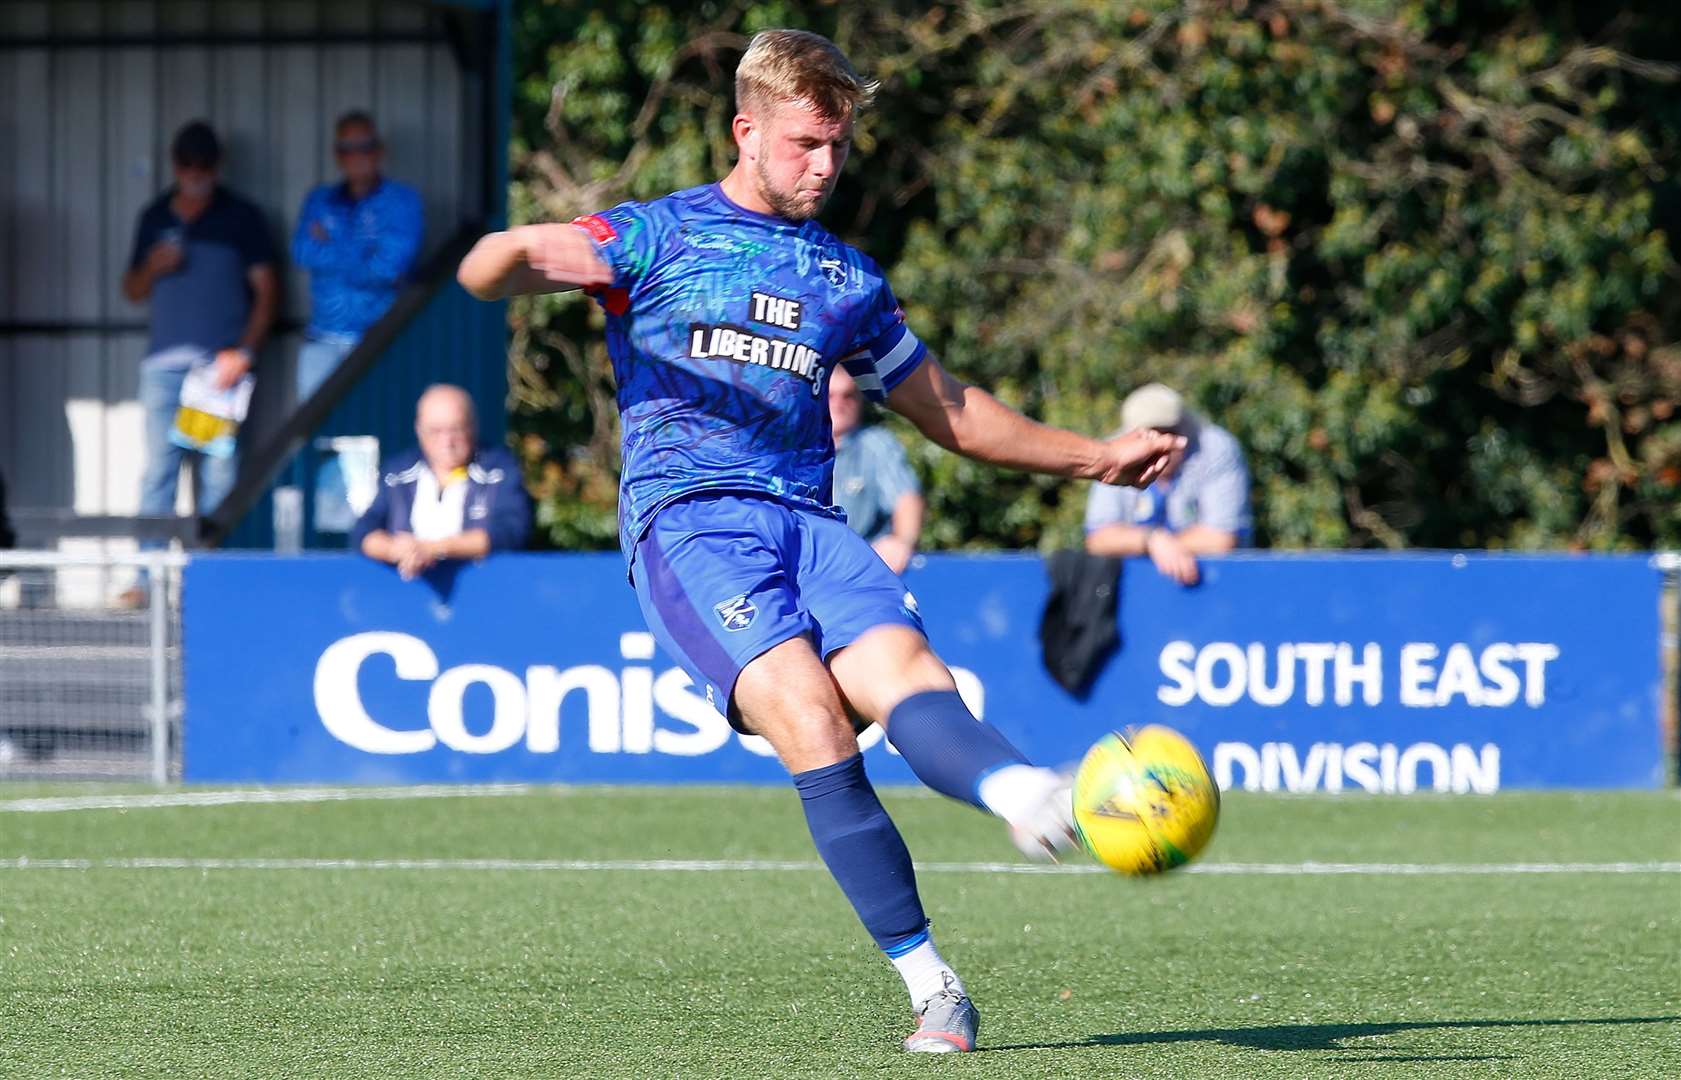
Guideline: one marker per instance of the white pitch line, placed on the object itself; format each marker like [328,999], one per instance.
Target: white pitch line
[254,796]
[1332,869]
[1305,869]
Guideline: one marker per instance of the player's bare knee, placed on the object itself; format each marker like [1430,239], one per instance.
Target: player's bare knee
[786,696]
[807,738]
[886,666]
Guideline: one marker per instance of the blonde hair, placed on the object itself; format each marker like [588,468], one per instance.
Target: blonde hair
[799,66]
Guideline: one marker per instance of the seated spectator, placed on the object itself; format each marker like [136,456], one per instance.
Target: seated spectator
[447,500]
[873,483]
[358,239]
[1200,508]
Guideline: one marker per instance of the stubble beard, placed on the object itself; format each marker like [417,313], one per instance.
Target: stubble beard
[788,204]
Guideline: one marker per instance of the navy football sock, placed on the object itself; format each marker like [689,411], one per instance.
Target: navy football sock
[947,748]
[865,853]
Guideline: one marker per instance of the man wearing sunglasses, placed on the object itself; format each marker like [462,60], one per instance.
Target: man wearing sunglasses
[357,239]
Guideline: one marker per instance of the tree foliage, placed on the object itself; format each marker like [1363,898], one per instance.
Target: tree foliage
[1415,254]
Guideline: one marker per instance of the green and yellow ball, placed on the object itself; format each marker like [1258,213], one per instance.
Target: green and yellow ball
[1144,801]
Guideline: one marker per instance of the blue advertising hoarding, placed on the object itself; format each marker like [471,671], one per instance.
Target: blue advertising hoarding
[1428,672]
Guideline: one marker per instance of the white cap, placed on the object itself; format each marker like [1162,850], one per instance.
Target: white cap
[1154,405]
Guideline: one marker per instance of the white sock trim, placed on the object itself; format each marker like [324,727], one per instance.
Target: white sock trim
[1016,792]
[925,973]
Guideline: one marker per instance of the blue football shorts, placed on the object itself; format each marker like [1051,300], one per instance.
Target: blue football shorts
[723,578]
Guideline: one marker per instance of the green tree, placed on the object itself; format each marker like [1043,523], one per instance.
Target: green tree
[1413,253]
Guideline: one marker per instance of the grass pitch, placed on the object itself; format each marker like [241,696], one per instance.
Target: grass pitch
[350,939]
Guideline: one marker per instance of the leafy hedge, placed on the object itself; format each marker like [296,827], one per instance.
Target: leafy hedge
[1417,255]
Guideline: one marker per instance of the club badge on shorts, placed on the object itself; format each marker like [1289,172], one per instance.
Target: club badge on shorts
[736,613]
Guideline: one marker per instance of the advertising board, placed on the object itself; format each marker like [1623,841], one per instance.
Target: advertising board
[1427,672]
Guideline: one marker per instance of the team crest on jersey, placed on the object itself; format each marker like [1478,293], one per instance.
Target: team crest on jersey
[834,270]
[736,613]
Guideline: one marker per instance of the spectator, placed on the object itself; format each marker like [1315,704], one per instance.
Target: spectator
[204,260]
[873,482]
[1200,508]
[446,500]
[358,239]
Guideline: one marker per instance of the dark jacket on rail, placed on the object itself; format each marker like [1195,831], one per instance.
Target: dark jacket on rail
[1078,631]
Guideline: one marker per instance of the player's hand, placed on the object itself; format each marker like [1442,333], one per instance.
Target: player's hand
[1171,556]
[231,366]
[165,257]
[1138,458]
[894,552]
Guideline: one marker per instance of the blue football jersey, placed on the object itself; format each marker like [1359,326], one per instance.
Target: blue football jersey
[723,325]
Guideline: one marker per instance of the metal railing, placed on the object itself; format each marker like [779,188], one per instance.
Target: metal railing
[90,686]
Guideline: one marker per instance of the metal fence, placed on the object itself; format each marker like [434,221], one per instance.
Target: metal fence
[90,683]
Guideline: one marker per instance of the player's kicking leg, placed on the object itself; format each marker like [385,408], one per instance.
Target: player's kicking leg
[717,589]
[787,696]
[872,639]
[891,677]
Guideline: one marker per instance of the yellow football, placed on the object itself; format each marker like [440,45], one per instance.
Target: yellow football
[1144,801]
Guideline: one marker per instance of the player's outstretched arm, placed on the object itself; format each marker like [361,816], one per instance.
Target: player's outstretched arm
[969,421]
[532,259]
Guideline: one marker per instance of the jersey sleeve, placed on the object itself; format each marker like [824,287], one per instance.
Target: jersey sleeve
[885,351]
[624,239]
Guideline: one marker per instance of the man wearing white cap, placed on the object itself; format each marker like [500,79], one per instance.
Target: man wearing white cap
[1200,508]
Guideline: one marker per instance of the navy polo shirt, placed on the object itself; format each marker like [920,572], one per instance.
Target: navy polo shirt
[206,302]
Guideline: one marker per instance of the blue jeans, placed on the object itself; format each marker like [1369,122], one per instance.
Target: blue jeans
[317,359]
[213,478]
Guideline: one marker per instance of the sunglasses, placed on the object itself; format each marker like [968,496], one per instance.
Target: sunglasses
[359,146]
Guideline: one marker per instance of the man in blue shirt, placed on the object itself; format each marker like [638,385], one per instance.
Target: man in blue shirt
[873,483]
[204,260]
[728,308]
[358,239]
